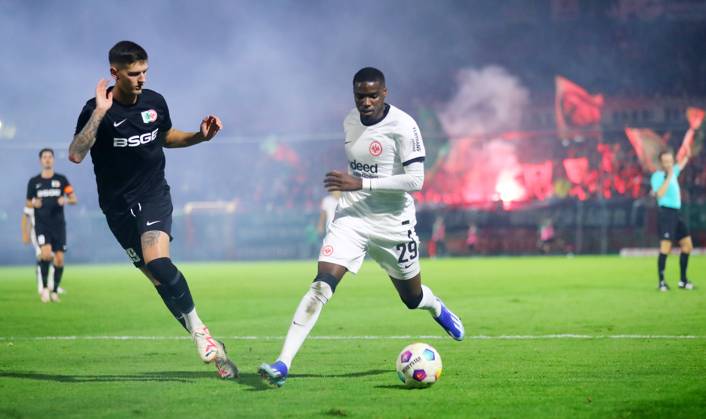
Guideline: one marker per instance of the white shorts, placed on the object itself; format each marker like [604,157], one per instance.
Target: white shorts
[394,247]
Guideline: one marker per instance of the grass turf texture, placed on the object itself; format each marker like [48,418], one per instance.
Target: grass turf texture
[559,377]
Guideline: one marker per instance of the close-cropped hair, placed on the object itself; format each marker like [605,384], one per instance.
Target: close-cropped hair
[369,75]
[125,53]
[44,150]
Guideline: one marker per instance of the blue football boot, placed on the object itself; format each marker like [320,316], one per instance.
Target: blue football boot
[275,374]
[450,322]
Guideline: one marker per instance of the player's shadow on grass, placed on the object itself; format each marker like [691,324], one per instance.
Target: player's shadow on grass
[347,375]
[252,380]
[166,376]
[256,383]
[398,387]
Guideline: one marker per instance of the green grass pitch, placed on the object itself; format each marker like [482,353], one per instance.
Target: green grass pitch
[547,337]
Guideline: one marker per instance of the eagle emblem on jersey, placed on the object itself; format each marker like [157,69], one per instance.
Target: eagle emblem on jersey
[375,148]
[149,116]
[327,250]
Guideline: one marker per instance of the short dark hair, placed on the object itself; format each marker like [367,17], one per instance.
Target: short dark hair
[126,52]
[44,150]
[369,75]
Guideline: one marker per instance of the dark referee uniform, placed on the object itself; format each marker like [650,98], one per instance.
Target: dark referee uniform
[129,162]
[670,224]
[49,222]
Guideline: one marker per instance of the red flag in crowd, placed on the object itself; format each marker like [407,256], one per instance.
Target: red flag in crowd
[576,169]
[578,174]
[538,179]
[578,113]
[647,145]
[280,152]
[692,143]
[695,116]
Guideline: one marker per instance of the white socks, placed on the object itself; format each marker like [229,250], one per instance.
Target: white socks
[430,302]
[193,321]
[304,319]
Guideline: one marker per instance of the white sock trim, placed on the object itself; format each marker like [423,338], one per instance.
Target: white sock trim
[304,319]
[430,302]
[193,321]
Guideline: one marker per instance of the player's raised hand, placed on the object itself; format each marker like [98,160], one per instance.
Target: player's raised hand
[210,126]
[104,98]
[339,181]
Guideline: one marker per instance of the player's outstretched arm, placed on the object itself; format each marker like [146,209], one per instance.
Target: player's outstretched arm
[84,140]
[685,149]
[210,126]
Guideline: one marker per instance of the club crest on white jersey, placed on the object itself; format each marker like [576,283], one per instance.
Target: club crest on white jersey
[378,151]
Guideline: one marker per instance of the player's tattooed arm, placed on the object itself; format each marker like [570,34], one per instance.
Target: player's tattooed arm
[210,126]
[84,140]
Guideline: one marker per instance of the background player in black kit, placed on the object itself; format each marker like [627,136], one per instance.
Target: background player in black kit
[47,193]
[125,128]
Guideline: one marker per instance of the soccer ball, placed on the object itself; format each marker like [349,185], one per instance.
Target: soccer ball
[419,365]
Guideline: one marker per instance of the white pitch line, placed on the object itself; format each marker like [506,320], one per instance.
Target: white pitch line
[478,337]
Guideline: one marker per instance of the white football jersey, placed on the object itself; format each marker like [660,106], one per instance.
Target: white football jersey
[378,151]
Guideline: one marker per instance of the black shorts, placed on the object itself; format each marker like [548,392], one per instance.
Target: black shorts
[154,213]
[53,234]
[671,225]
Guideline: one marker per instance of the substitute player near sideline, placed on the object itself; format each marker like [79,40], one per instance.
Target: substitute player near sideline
[375,215]
[670,224]
[47,194]
[125,128]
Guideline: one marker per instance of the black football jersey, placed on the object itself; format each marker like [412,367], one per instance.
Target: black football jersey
[49,190]
[128,159]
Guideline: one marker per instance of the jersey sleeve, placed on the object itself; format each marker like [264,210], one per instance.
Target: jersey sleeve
[30,191]
[410,143]
[83,117]
[166,124]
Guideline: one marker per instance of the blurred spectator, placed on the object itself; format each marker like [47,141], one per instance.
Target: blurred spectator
[472,238]
[547,236]
[438,237]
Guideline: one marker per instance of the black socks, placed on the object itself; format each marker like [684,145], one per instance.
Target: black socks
[661,263]
[44,269]
[58,271]
[683,263]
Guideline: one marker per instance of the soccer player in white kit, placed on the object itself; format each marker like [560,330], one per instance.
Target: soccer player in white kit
[375,215]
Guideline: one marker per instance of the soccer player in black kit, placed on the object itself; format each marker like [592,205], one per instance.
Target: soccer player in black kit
[125,128]
[47,193]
